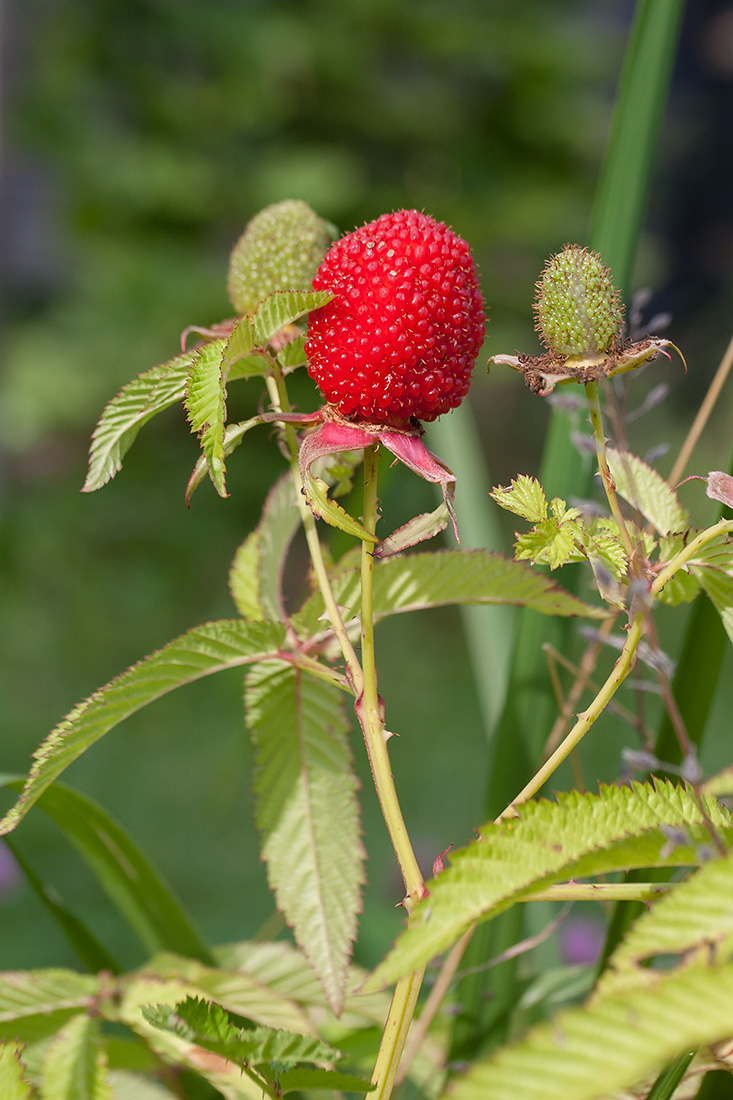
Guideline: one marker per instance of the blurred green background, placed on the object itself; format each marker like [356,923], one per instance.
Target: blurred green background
[139,137]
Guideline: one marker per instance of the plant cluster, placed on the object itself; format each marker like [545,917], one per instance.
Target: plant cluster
[394,324]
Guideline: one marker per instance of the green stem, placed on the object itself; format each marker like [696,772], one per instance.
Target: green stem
[599,435]
[600,891]
[620,671]
[369,706]
[280,403]
[722,527]
[370,713]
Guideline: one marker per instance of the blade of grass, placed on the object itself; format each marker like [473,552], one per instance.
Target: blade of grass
[127,876]
[527,716]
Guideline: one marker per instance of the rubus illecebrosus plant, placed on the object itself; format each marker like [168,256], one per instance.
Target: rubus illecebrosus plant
[395,322]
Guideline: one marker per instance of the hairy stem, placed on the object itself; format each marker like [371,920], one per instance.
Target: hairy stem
[370,712]
[599,435]
[280,403]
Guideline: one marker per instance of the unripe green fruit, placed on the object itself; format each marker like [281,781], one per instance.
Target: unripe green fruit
[281,249]
[577,309]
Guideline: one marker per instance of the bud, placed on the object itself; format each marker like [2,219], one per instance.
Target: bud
[578,311]
[281,249]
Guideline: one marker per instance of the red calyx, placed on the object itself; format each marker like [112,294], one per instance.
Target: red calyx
[401,335]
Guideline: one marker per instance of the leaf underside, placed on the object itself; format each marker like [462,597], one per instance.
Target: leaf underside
[307,811]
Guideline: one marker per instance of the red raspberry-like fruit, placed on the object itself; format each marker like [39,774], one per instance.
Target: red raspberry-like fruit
[401,334]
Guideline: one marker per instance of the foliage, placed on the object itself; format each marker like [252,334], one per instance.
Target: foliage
[266,1017]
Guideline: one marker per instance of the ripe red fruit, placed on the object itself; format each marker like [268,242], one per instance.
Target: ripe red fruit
[400,336]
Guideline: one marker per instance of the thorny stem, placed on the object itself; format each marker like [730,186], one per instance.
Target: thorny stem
[369,711]
[596,420]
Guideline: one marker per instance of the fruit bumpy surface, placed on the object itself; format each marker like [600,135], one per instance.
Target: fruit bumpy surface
[280,249]
[577,308]
[400,336]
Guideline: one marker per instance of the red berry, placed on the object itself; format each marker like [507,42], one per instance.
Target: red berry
[401,334]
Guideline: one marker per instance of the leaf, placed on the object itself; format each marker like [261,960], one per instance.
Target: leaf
[284,307]
[720,487]
[200,652]
[683,586]
[525,497]
[224,1075]
[233,436]
[307,811]
[577,836]
[418,529]
[130,880]
[28,993]
[283,969]
[552,541]
[303,1077]
[75,1064]
[609,1044]
[134,1086]
[244,580]
[237,991]
[205,402]
[647,492]
[210,1026]
[255,578]
[719,588]
[694,921]
[93,956]
[316,493]
[134,405]
[13,1085]
[436,578]
[292,354]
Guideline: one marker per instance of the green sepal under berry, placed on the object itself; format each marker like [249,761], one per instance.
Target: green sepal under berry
[280,250]
[578,311]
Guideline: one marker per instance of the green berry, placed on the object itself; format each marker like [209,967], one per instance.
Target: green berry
[281,249]
[577,309]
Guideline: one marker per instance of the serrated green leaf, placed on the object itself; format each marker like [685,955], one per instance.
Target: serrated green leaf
[28,993]
[124,416]
[316,493]
[255,578]
[419,581]
[236,990]
[610,1044]
[283,308]
[239,345]
[145,989]
[244,579]
[13,1085]
[525,497]
[75,1063]
[307,811]
[418,529]
[304,1078]
[130,880]
[292,354]
[233,436]
[577,836]
[210,1026]
[552,541]
[719,588]
[693,920]
[647,492]
[202,651]
[205,402]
